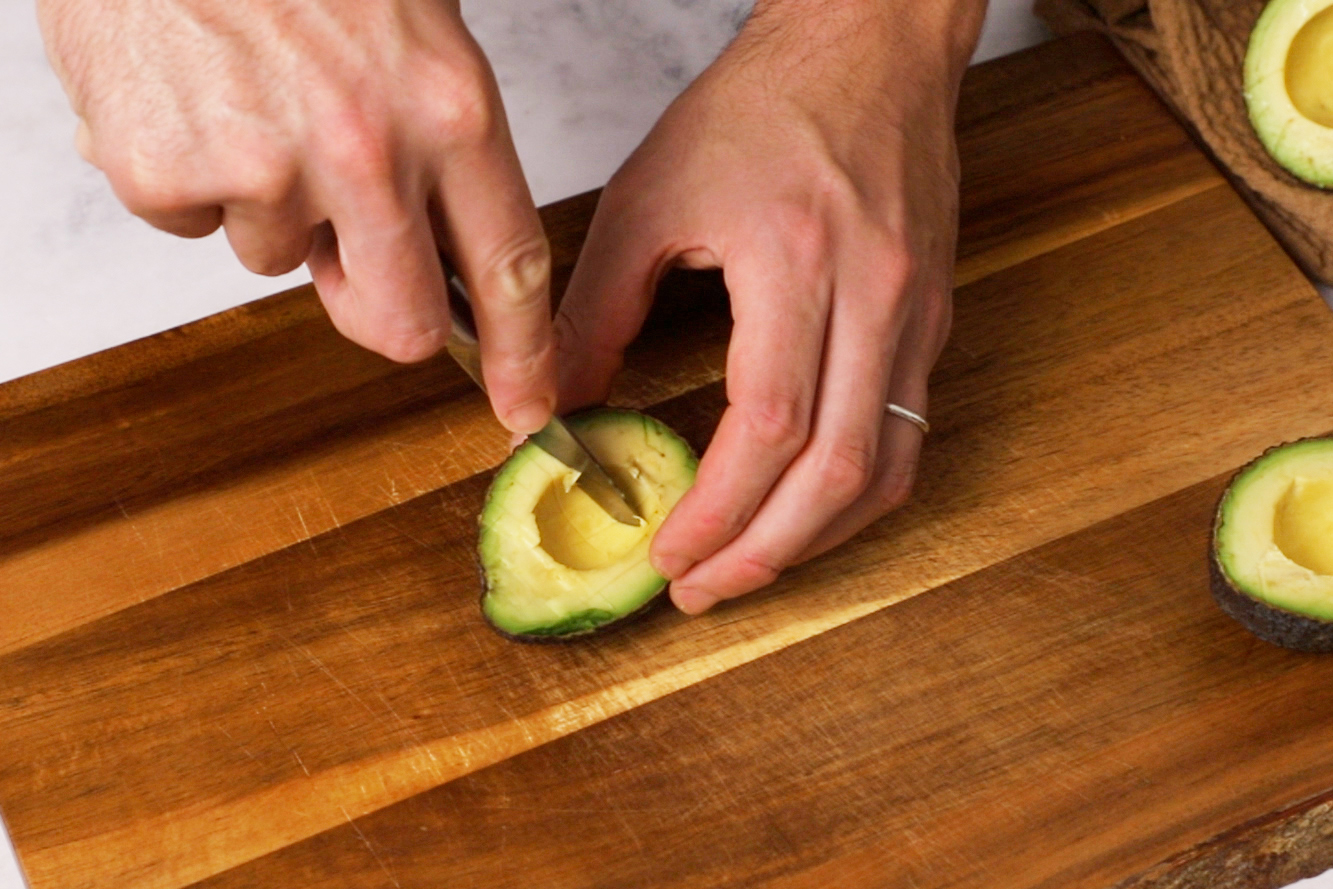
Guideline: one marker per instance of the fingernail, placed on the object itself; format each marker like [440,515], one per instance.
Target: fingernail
[671,565]
[529,416]
[692,600]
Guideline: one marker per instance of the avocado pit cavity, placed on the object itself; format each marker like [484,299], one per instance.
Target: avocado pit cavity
[1309,69]
[1303,524]
[1272,548]
[554,564]
[1288,77]
[577,533]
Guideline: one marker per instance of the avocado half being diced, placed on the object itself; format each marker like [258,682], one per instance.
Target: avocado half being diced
[1272,552]
[1289,86]
[554,564]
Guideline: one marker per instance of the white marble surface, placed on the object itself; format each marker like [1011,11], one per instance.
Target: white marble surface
[10,875]
[583,80]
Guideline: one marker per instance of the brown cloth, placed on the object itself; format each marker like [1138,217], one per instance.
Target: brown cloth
[1192,52]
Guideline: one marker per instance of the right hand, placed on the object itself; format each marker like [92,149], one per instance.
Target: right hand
[360,137]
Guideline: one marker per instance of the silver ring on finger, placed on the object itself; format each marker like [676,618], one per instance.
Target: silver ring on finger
[910,416]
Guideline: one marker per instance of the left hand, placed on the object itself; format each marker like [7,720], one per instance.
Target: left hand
[814,162]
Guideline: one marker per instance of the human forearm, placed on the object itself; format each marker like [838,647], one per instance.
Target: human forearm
[940,34]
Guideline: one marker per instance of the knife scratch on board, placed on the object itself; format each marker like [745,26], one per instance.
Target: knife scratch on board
[416,740]
[309,538]
[243,748]
[324,497]
[327,672]
[135,528]
[290,748]
[388,873]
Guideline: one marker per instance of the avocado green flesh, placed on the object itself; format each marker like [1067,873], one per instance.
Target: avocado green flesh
[555,563]
[1274,535]
[1289,86]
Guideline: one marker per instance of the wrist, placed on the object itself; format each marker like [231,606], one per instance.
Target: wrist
[940,34]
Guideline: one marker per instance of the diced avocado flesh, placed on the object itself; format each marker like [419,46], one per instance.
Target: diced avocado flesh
[1289,86]
[1274,534]
[555,563]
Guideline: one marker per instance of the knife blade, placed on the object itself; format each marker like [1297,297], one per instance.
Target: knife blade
[555,438]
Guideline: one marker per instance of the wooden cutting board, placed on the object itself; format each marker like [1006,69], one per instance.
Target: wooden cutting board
[241,647]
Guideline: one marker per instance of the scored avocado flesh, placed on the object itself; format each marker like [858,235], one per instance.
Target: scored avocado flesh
[1274,537]
[1288,76]
[555,564]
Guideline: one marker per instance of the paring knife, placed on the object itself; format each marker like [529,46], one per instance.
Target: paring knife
[555,438]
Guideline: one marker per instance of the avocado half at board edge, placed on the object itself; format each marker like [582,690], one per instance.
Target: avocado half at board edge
[554,565]
[1272,546]
[1289,86]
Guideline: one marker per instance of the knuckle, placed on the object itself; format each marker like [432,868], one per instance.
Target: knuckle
[519,277]
[269,249]
[409,346]
[779,424]
[266,181]
[468,115]
[160,173]
[846,468]
[897,260]
[356,148]
[717,526]
[147,183]
[804,236]
[757,570]
[524,369]
[271,263]
[895,488]
[461,108]
[837,189]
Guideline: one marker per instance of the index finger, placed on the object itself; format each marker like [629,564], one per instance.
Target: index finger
[773,365]
[501,252]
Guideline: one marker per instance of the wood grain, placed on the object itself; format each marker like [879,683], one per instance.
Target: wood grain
[1037,175]
[240,595]
[185,454]
[1068,718]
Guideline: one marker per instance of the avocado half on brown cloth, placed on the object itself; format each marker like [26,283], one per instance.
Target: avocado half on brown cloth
[1192,53]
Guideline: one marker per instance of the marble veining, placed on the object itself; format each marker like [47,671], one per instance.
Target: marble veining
[577,114]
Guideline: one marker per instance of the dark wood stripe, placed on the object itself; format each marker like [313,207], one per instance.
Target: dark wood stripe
[169,712]
[1068,718]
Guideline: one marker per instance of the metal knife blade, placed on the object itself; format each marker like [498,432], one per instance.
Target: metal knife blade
[555,438]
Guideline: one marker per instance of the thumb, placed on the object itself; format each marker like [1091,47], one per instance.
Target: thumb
[605,304]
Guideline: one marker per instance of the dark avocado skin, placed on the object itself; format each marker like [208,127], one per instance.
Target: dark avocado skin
[1278,626]
[549,638]
[1270,623]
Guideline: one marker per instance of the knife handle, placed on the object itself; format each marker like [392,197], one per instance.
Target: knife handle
[462,344]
